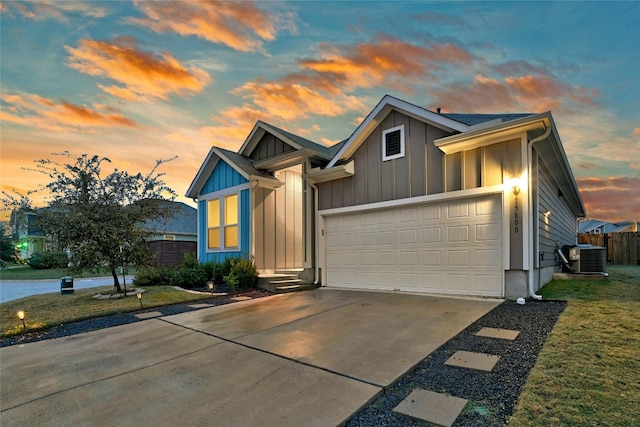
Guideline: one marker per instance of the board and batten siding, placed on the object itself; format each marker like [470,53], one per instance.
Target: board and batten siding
[560,224]
[222,178]
[279,223]
[269,146]
[418,173]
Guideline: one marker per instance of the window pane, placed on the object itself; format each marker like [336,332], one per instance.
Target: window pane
[213,213]
[231,209]
[213,238]
[231,236]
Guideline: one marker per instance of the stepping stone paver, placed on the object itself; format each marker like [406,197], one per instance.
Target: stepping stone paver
[471,360]
[503,334]
[432,407]
[241,298]
[148,315]
[201,305]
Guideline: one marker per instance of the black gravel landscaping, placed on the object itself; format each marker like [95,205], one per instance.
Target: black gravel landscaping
[123,319]
[492,395]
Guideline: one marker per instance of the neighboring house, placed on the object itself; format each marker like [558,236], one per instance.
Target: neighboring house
[176,234]
[595,226]
[27,237]
[464,204]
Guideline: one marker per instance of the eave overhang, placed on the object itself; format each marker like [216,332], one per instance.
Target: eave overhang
[488,135]
[318,175]
[287,159]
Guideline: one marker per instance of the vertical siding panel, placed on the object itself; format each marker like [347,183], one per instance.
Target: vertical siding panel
[472,168]
[325,195]
[387,177]
[493,164]
[417,159]
[401,166]
[270,229]
[435,159]
[361,178]
[336,193]
[374,156]
[298,250]
[347,191]
[280,230]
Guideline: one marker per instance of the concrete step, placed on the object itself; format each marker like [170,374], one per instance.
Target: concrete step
[281,282]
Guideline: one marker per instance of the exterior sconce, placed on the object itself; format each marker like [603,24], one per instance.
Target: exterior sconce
[21,315]
[547,213]
[139,295]
[515,184]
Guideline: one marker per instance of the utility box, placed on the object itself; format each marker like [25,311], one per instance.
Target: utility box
[66,285]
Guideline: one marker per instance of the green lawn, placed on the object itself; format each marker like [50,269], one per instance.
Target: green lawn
[24,272]
[47,310]
[588,373]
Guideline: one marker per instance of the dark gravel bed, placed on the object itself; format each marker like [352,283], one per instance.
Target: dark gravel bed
[121,319]
[492,395]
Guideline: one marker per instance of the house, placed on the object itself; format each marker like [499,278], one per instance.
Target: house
[413,200]
[176,234]
[596,226]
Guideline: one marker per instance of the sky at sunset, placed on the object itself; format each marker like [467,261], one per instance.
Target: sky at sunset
[140,81]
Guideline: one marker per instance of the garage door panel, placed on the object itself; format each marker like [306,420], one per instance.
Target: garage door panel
[419,249]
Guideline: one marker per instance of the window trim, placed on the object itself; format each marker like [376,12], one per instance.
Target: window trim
[386,157]
[222,226]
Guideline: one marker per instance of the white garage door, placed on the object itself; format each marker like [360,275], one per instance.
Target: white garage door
[452,247]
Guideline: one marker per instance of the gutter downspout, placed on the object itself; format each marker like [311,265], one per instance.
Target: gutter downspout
[316,236]
[542,137]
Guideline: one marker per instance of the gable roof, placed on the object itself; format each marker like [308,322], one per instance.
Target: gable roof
[238,162]
[476,119]
[183,220]
[297,142]
[607,227]
[384,107]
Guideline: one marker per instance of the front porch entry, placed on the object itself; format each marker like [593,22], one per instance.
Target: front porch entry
[279,223]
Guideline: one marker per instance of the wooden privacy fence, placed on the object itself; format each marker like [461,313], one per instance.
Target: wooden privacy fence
[622,248]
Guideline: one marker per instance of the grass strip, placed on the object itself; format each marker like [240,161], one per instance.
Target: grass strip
[588,372]
[46,310]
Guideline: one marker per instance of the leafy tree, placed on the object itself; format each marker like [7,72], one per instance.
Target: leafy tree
[7,248]
[101,219]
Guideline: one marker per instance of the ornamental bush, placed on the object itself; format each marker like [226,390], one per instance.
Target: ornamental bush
[46,260]
[243,274]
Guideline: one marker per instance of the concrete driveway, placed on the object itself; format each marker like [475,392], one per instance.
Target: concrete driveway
[311,358]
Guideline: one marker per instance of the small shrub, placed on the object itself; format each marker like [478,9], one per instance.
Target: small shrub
[190,260]
[243,274]
[46,260]
[190,277]
[155,276]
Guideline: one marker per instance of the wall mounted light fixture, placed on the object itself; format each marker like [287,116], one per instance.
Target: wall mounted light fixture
[516,184]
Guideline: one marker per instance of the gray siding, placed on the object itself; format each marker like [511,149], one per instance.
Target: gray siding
[269,146]
[418,173]
[560,224]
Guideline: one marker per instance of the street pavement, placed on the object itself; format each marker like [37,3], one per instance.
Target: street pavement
[14,289]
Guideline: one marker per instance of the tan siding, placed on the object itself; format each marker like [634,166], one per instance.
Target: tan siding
[259,236]
[453,171]
[374,158]
[347,191]
[401,170]
[472,168]
[416,146]
[435,161]
[336,193]
[493,162]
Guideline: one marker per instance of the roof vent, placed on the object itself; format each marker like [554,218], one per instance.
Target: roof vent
[438,110]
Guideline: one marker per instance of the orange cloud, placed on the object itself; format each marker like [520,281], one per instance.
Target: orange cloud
[239,25]
[143,76]
[611,199]
[380,61]
[34,110]
[636,132]
[529,93]
[45,9]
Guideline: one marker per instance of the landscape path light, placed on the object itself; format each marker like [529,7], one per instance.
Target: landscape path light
[210,285]
[139,295]
[21,315]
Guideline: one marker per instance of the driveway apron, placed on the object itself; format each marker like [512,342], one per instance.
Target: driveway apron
[308,358]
